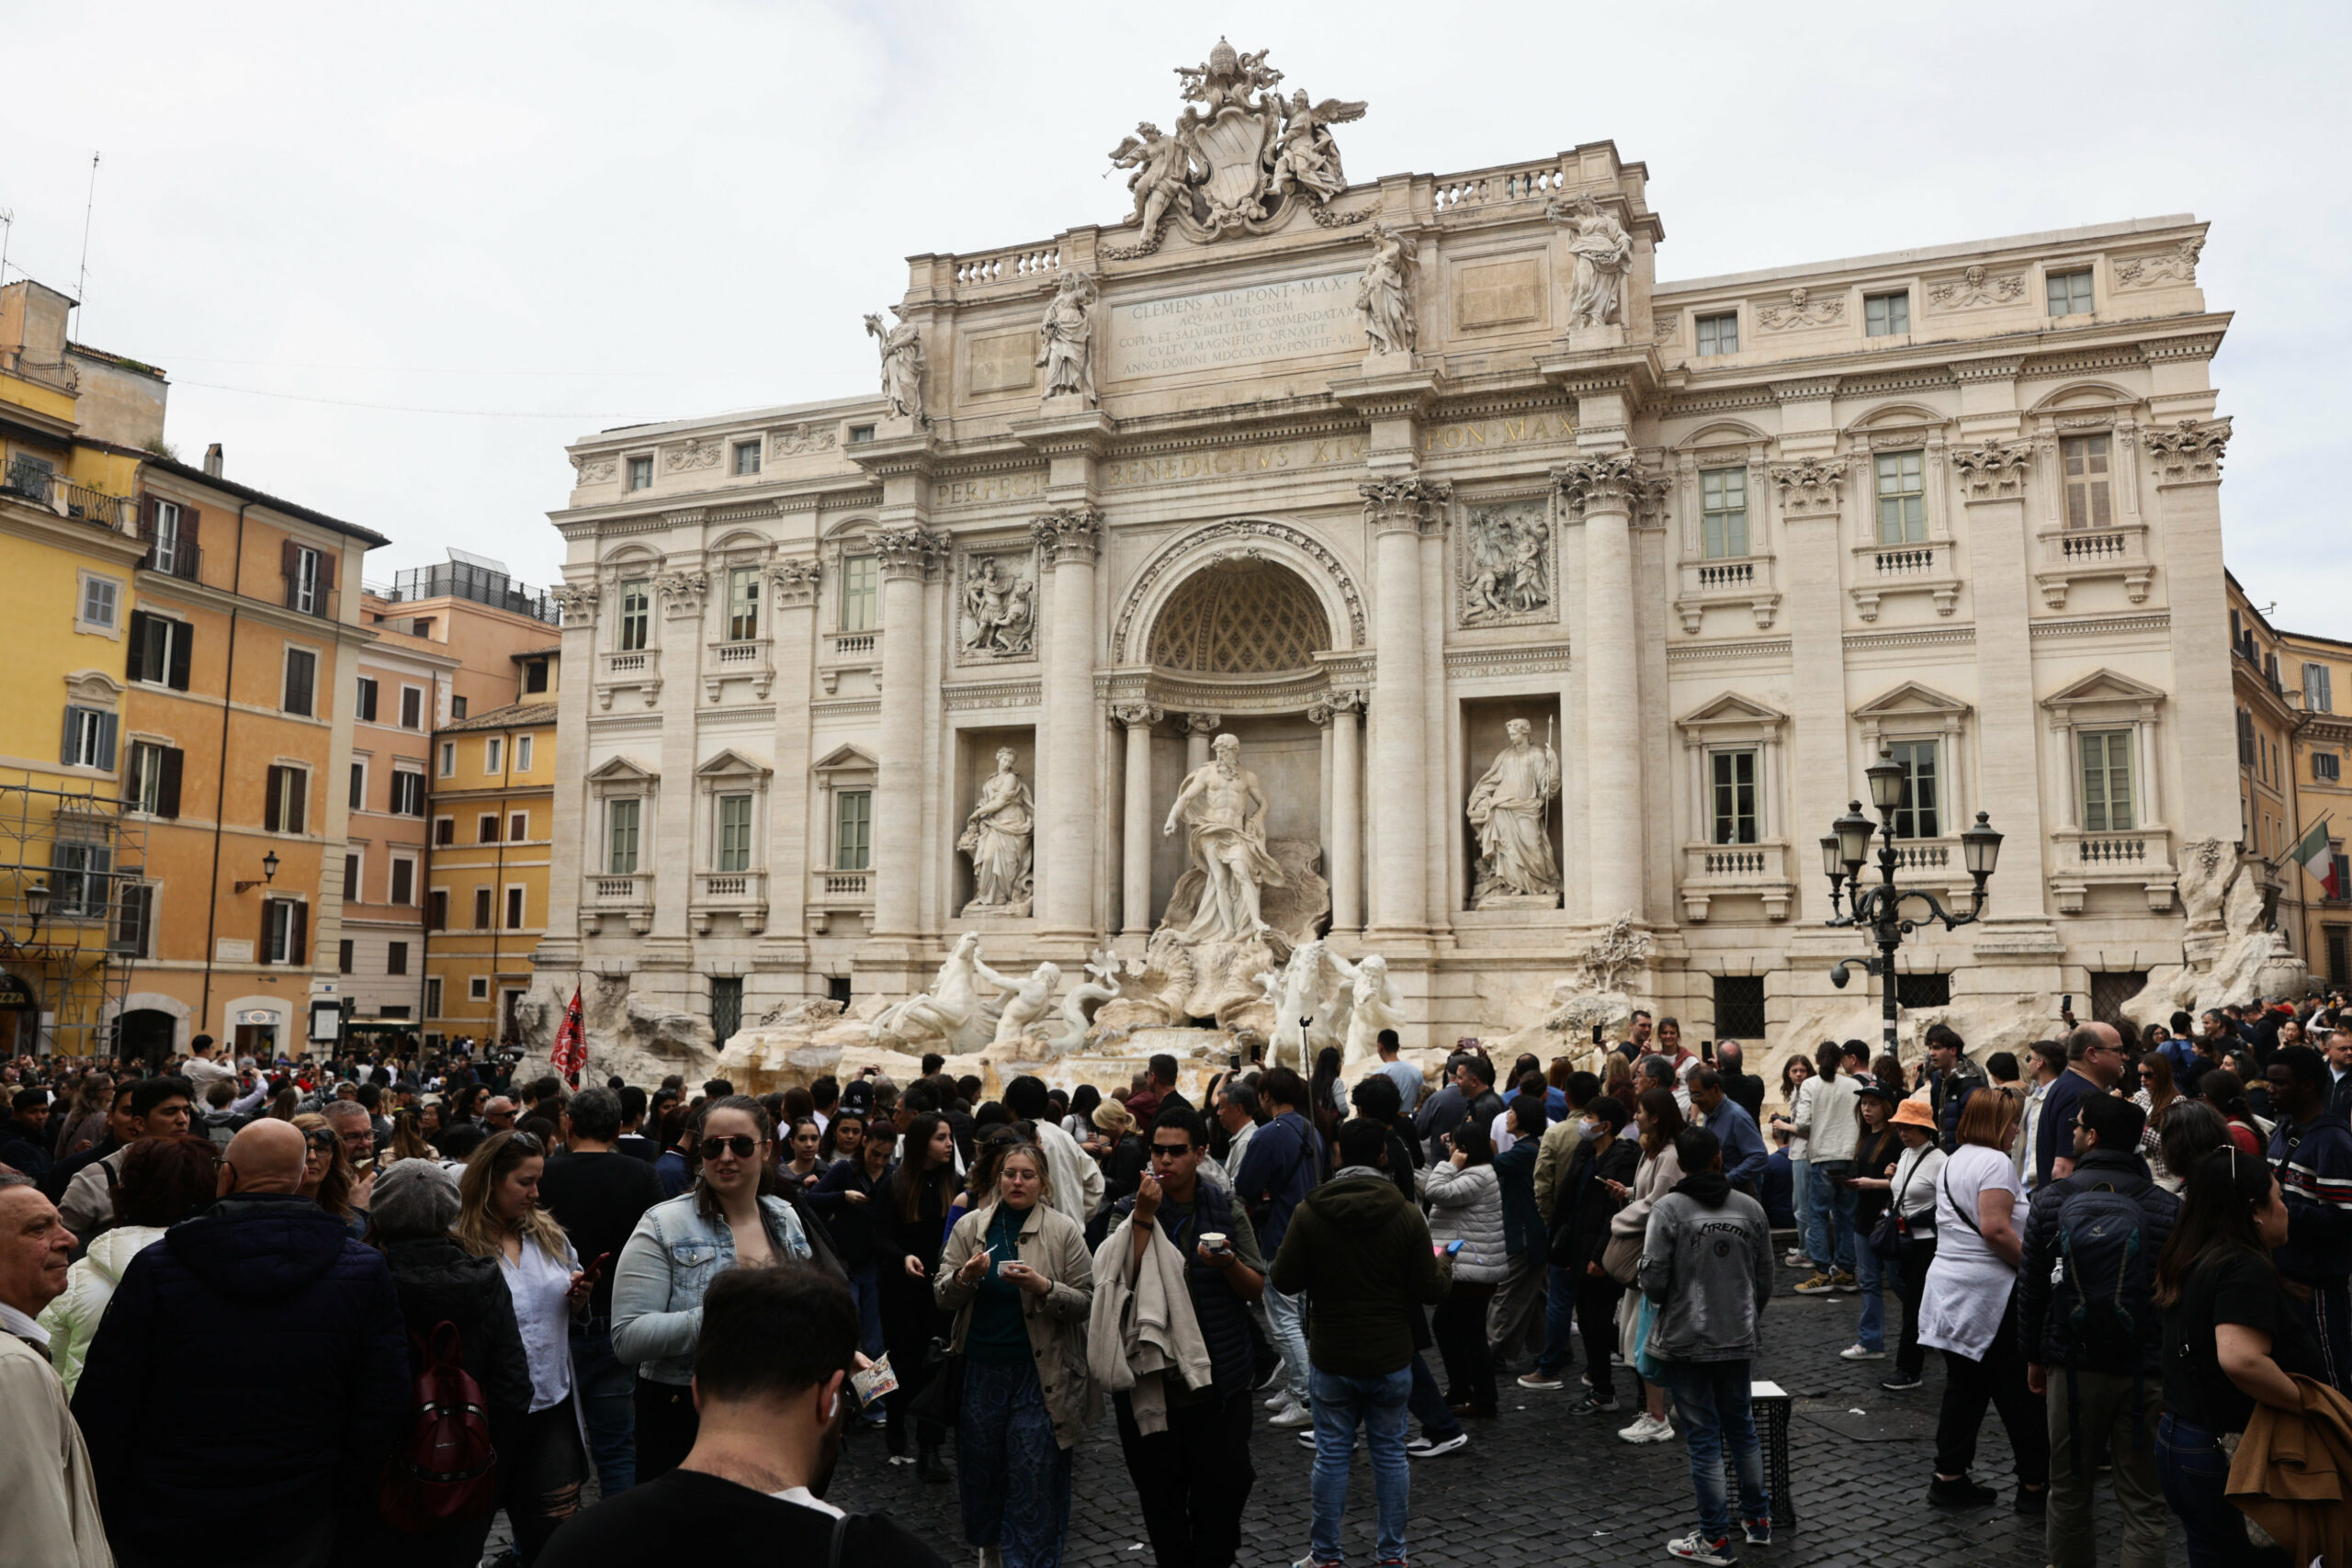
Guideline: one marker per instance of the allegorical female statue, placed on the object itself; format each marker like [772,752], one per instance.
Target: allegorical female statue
[1385,292]
[1603,251]
[998,837]
[1507,806]
[902,365]
[1066,338]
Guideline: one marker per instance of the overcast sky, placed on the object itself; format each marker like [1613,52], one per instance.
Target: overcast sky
[394,258]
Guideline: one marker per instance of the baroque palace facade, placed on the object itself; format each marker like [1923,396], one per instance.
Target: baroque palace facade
[1361,475]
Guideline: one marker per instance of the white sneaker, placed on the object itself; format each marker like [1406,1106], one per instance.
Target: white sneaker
[1282,1397]
[1856,1353]
[1296,1417]
[1648,1428]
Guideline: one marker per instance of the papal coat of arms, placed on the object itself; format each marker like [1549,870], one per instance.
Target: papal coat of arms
[1241,155]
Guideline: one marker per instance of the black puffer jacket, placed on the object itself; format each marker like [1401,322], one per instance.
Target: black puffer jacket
[438,1282]
[184,1423]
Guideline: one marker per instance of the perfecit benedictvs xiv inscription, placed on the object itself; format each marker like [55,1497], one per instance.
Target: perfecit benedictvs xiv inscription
[1304,319]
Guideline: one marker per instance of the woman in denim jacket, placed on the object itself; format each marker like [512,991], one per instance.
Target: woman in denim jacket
[730,1215]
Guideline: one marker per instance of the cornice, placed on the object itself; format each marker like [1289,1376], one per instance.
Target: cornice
[1759,649]
[2100,625]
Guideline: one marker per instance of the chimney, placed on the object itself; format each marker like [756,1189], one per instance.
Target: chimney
[213,461]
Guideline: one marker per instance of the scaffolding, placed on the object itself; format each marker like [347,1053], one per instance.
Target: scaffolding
[75,913]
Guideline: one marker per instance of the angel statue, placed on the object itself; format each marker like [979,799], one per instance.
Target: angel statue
[1603,251]
[1066,337]
[1307,156]
[1163,169]
[1385,292]
[902,364]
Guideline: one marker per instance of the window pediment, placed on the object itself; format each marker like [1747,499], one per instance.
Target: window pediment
[847,760]
[1911,700]
[732,765]
[1729,719]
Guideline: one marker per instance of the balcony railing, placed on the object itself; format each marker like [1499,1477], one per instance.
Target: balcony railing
[2075,555]
[841,887]
[743,894]
[1715,871]
[1882,569]
[44,486]
[626,895]
[747,660]
[639,670]
[2137,857]
[1747,579]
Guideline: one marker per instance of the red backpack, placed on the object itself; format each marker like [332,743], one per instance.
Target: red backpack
[445,1471]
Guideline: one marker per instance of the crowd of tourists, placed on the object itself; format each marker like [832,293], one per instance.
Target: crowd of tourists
[289,1313]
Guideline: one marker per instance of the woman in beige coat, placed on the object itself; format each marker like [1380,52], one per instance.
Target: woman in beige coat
[1021,1282]
[1660,1121]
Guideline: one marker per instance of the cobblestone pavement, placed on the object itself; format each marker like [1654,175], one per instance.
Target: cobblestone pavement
[1539,1486]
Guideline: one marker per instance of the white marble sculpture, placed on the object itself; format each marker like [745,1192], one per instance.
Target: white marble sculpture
[1604,251]
[1066,338]
[999,611]
[1505,565]
[1164,169]
[1310,997]
[952,1010]
[1507,805]
[1373,1004]
[1078,1007]
[1000,837]
[1306,157]
[1224,810]
[902,365]
[1026,1000]
[1385,292]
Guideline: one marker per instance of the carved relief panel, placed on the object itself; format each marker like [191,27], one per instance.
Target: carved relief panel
[996,605]
[1506,570]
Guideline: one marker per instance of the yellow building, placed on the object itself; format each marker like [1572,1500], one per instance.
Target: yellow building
[2267,717]
[486,901]
[2321,768]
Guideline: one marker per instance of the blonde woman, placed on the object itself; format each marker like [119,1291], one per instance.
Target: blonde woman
[1017,1276]
[540,1471]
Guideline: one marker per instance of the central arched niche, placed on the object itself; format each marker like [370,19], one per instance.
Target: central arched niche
[1240,617]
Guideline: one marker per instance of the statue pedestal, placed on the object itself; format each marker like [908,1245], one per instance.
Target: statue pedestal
[1581,338]
[1516,901]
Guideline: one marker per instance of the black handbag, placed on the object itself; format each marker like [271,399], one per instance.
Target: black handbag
[941,1398]
[1892,1235]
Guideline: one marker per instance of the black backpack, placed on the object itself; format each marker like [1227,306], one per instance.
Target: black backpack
[2101,1299]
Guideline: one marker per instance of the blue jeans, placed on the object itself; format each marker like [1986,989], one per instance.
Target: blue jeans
[1379,1402]
[1288,1331]
[868,1296]
[2193,1472]
[1872,1332]
[607,1392]
[1801,1200]
[1712,1400]
[1012,1473]
[1829,1223]
[1559,1321]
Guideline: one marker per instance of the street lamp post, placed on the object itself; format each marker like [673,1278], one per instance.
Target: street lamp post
[1880,908]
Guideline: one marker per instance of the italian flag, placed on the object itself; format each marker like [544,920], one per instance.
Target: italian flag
[2318,858]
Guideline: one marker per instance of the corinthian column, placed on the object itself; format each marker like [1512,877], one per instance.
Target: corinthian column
[1399,509]
[1346,847]
[906,555]
[1068,797]
[1602,489]
[1992,475]
[1135,861]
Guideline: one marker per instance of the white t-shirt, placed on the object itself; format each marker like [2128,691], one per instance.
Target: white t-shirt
[1968,1285]
[538,1284]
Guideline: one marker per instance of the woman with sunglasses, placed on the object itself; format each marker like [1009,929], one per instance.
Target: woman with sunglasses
[1017,1275]
[733,1214]
[327,1175]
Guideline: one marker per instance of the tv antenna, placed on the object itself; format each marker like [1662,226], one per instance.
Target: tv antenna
[81,282]
[7,225]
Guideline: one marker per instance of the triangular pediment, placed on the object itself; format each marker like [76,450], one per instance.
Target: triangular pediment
[731,764]
[620,770]
[1732,708]
[1910,697]
[2103,686]
[844,758]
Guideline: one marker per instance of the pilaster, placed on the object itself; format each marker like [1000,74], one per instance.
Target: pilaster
[1399,510]
[792,584]
[1821,772]
[1992,480]
[1070,797]
[2186,460]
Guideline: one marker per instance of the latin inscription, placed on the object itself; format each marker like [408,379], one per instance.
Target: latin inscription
[993,487]
[1517,430]
[1308,318]
[1271,458]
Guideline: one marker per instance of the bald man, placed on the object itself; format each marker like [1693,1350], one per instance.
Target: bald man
[2094,1063]
[178,1422]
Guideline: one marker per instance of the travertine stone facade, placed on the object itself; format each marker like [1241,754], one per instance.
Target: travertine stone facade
[1714,540]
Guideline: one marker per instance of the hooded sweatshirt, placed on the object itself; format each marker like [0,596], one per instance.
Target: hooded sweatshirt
[73,1317]
[1707,1266]
[1365,1252]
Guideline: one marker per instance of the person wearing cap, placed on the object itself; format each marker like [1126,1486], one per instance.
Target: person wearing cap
[24,1136]
[1911,1193]
[1878,1151]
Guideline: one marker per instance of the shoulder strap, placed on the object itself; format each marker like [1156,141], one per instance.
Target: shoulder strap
[1944,1182]
[833,1551]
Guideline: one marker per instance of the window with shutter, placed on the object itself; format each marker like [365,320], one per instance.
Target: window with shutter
[307,578]
[481,908]
[2087,462]
[343,956]
[396,958]
[514,909]
[436,909]
[2319,694]
[486,829]
[403,880]
[412,707]
[89,738]
[518,826]
[167,794]
[445,830]
[2106,780]
[2327,767]
[366,700]
[351,879]
[134,919]
[302,682]
[153,783]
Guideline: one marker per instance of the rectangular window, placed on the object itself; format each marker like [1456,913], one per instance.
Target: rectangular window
[444,832]
[734,832]
[166,557]
[456,708]
[620,837]
[518,826]
[2086,460]
[726,1006]
[367,699]
[284,807]
[284,927]
[302,682]
[493,754]
[408,793]
[2339,955]
[134,919]
[1923,990]
[2245,738]
[742,604]
[412,707]
[343,956]
[636,615]
[1731,777]
[852,830]
[1719,333]
[640,473]
[2106,780]
[2069,293]
[486,829]
[304,579]
[861,593]
[89,738]
[2343,876]
[403,880]
[100,596]
[478,987]
[448,759]
[154,786]
[358,786]
[481,908]
[79,880]
[1902,499]
[433,996]
[2327,767]
[2319,689]
[1740,1007]
[351,879]
[396,958]
[523,754]
[535,675]
[514,909]
[1724,512]
[1919,813]
[747,458]
[1886,315]
[159,650]
[436,909]
[858,433]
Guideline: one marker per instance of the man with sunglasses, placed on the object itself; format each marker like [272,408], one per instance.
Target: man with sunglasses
[2094,1063]
[1193,1475]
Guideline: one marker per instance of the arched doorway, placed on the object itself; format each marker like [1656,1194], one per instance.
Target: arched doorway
[146,1034]
[19,1016]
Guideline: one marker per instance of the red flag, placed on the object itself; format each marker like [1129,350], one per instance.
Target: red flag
[571,1051]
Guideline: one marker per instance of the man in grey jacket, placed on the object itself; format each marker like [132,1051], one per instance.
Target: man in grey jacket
[1707,1271]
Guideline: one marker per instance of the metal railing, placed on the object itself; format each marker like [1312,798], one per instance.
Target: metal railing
[51,492]
[455,579]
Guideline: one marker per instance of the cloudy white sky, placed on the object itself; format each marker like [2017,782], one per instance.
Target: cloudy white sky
[394,257]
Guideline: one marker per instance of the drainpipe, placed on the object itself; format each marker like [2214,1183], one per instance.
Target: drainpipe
[220,784]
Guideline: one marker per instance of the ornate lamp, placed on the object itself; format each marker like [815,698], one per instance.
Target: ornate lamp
[1886,776]
[1854,833]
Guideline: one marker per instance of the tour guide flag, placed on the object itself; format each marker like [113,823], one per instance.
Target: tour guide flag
[571,1051]
[2319,858]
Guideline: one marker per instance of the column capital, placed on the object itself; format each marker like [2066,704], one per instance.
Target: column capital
[1809,487]
[2190,453]
[577,601]
[794,581]
[1611,483]
[1070,536]
[1405,503]
[1993,469]
[681,593]
[1136,716]
[1334,703]
[908,551]
[1199,723]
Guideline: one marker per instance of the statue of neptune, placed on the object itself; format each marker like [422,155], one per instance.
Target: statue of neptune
[1227,823]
